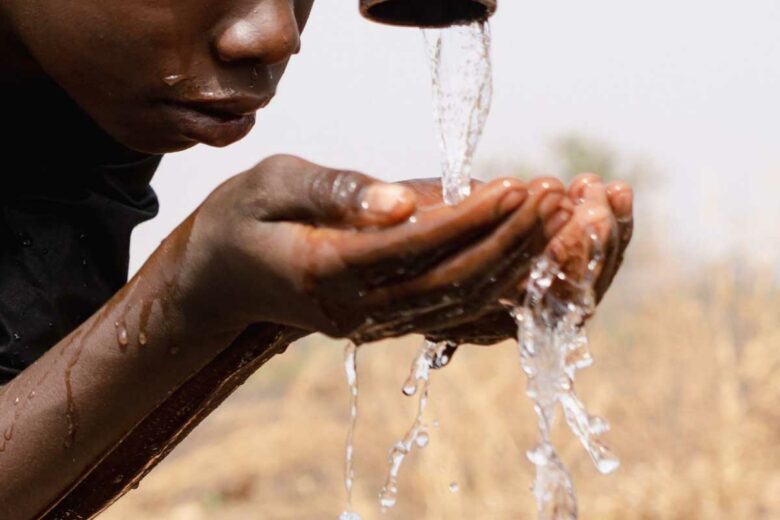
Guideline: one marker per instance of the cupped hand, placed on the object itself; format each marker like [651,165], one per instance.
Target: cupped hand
[590,208]
[338,252]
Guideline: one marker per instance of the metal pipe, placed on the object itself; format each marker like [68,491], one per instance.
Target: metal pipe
[427,13]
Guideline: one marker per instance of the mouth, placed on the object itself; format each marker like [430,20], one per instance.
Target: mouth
[215,121]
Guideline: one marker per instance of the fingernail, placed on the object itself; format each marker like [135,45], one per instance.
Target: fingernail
[586,184]
[387,199]
[511,201]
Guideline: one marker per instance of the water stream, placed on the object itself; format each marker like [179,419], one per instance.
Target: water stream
[430,356]
[350,370]
[553,346]
[552,340]
[462,90]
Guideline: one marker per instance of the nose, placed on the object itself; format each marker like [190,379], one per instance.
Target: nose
[265,33]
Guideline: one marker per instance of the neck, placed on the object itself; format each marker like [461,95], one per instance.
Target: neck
[16,63]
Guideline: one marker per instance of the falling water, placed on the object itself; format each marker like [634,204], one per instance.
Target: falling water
[431,355]
[350,369]
[462,80]
[553,345]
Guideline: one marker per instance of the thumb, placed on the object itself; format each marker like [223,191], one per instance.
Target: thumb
[296,189]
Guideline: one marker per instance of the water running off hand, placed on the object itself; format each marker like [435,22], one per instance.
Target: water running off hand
[553,346]
[431,356]
[350,370]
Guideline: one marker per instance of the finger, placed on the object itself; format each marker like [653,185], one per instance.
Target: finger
[431,235]
[572,247]
[621,199]
[493,250]
[429,191]
[298,190]
[580,182]
[468,286]
[474,298]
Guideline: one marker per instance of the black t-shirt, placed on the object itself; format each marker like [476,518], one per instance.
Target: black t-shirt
[70,197]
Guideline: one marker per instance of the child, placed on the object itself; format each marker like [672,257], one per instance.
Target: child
[104,377]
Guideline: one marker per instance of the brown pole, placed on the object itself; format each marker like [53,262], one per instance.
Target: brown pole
[427,13]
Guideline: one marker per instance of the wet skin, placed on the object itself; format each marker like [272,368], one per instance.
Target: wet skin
[589,206]
[223,61]
[280,251]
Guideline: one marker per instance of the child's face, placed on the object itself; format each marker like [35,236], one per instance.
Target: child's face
[163,75]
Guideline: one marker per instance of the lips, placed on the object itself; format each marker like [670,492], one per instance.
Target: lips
[216,122]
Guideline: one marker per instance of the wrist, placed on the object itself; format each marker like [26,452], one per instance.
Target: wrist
[176,277]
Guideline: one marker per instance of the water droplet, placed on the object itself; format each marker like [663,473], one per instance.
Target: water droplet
[16,401]
[173,79]
[31,395]
[597,425]
[121,334]
[422,439]
[608,465]
[454,487]
[142,339]
[387,502]
[17,336]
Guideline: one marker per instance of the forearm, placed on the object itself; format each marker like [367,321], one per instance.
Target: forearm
[160,431]
[75,404]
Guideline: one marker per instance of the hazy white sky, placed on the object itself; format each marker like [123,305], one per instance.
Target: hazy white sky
[692,84]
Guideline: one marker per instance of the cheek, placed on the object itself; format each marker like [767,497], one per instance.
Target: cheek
[115,49]
[113,64]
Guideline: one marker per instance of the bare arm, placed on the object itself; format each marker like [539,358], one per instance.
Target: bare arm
[153,438]
[79,400]
[113,397]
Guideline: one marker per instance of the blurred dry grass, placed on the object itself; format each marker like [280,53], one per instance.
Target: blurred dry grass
[687,372]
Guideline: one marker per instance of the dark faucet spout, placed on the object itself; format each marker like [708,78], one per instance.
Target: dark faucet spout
[427,13]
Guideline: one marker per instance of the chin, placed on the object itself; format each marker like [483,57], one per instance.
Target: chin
[152,141]
[157,134]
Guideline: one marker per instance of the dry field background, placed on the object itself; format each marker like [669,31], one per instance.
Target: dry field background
[687,372]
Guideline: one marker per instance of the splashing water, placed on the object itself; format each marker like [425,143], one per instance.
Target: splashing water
[553,345]
[350,369]
[431,355]
[462,79]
